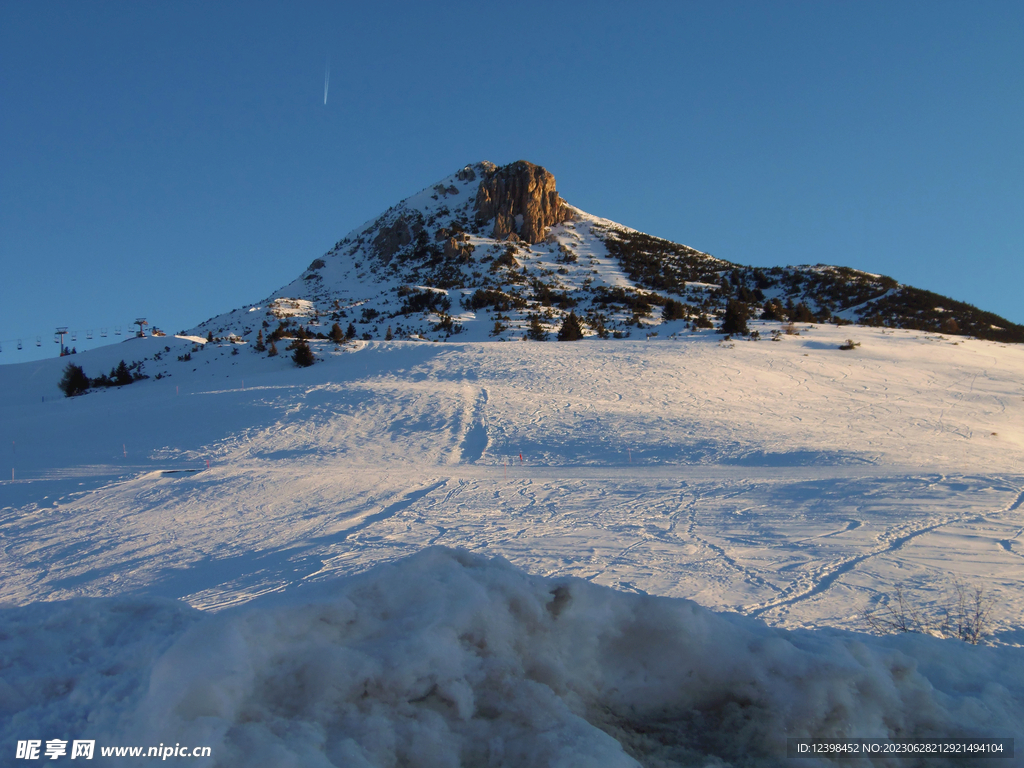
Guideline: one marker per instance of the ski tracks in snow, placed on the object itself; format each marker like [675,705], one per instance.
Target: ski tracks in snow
[817,581]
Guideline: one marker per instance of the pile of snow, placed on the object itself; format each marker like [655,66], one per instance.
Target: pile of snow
[447,658]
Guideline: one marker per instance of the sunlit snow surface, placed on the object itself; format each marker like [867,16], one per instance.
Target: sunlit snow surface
[789,481]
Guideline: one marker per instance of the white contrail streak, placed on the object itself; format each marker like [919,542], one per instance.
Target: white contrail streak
[327,80]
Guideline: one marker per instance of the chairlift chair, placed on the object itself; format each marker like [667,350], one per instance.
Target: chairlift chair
[19,343]
[103,333]
[88,335]
[39,341]
[117,330]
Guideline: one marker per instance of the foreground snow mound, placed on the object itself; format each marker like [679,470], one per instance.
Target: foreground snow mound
[448,658]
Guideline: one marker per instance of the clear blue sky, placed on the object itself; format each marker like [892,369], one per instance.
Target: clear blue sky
[176,160]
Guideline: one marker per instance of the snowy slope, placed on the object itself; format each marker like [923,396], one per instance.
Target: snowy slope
[786,480]
[655,549]
[448,659]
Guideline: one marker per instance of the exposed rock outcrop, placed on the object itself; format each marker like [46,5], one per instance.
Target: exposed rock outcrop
[390,239]
[459,248]
[521,198]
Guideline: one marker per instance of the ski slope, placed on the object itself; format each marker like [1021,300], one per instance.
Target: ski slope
[784,485]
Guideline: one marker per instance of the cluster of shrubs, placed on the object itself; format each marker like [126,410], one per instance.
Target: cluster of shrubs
[423,301]
[75,382]
[837,288]
[499,301]
[546,296]
[570,330]
[640,304]
[660,265]
[918,310]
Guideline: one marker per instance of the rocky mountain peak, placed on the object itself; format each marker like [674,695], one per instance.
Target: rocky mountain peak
[495,253]
[520,197]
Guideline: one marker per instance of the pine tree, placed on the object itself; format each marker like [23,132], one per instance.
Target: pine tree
[260,345]
[272,351]
[571,329]
[735,320]
[536,331]
[74,381]
[351,332]
[674,310]
[801,313]
[772,311]
[389,336]
[596,321]
[121,375]
[337,335]
[302,355]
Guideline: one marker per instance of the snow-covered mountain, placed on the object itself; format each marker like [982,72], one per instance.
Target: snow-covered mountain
[495,253]
[657,550]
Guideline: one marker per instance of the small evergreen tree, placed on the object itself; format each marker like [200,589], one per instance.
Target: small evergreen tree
[536,331]
[389,336]
[74,381]
[209,336]
[261,345]
[801,313]
[302,355]
[673,310]
[337,335]
[596,322]
[571,329]
[351,332]
[272,351]
[735,319]
[121,375]
[772,311]
[279,332]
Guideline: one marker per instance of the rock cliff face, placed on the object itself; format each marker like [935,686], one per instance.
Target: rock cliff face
[390,239]
[521,198]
